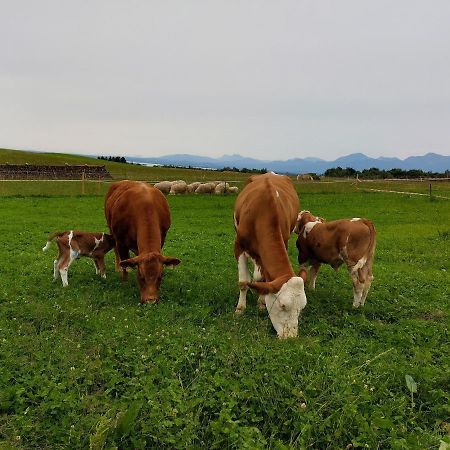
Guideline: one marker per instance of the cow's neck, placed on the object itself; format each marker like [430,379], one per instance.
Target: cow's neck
[148,239]
[274,258]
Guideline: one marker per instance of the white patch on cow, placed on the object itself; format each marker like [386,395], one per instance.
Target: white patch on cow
[63,273]
[359,264]
[55,270]
[235,221]
[278,195]
[47,246]
[285,306]
[257,273]
[355,219]
[97,243]
[244,277]
[73,253]
[308,227]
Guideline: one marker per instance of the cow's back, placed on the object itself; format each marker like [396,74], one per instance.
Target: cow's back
[329,239]
[267,200]
[129,204]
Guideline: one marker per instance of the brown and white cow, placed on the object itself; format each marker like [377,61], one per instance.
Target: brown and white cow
[349,241]
[138,217]
[264,217]
[74,244]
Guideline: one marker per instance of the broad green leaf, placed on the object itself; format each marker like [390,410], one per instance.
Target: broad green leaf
[411,384]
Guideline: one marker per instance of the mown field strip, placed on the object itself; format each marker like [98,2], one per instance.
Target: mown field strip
[403,192]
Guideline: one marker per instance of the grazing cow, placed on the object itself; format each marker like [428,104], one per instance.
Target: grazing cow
[264,217]
[349,241]
[138,216]
[163,186]
[205,188]
[74,244]
[233,190]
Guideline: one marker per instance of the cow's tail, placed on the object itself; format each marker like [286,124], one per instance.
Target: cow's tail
[370,249]
[50,238]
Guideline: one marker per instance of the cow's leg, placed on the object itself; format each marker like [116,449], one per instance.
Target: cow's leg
[367,271]
[117,260]
[55,269]
[63,267]
[358,288]
[257,276]
[312,274]
[100,267]
[96,266]
[124,254]
[244,278]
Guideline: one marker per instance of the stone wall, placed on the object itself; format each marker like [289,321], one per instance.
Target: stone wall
[66,172]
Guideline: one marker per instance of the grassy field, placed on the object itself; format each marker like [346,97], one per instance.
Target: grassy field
[86,366]
[155,174]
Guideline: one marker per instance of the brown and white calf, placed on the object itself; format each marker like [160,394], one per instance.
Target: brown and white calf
[264,217]
[74,244]
[138,217]
[346,241]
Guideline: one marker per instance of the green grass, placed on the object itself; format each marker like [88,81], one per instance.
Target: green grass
[87,366]
[117,170]
[155,174]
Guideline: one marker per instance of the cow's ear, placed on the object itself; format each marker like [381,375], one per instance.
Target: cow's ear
[170,261]
[131,262]
[271,287]
[261,287]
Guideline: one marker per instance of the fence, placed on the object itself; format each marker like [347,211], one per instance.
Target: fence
[65,172]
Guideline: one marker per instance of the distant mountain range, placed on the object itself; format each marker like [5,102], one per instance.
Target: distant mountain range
[431,162]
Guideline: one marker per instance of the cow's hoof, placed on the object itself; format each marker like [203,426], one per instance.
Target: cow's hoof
[239,312]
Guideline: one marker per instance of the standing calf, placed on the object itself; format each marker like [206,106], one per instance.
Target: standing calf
[349,241]
[74,244]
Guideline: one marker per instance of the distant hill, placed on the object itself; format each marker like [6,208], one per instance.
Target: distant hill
[431,162]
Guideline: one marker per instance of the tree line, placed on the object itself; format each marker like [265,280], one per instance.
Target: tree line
[375,173]
[119,159]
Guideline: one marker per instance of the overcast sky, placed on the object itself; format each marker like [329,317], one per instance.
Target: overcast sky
[267,79]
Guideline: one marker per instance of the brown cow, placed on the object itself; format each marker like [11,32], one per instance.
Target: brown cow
[264,217]
[349,241]
[138,216]
[74,244]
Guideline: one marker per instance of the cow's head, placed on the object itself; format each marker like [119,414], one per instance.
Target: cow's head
[149,273]
[285,298]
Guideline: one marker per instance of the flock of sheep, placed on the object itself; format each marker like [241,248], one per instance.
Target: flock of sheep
[181,187]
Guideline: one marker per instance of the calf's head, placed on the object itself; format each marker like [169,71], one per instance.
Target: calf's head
[285,298]
[303,218]
[109,242]
[149,273]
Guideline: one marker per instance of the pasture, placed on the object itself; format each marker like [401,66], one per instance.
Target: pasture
[87,366]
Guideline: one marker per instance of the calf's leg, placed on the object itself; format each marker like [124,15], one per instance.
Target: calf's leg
[312,275]
[358,288]
[63,267]
[368,277]
[100,267]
